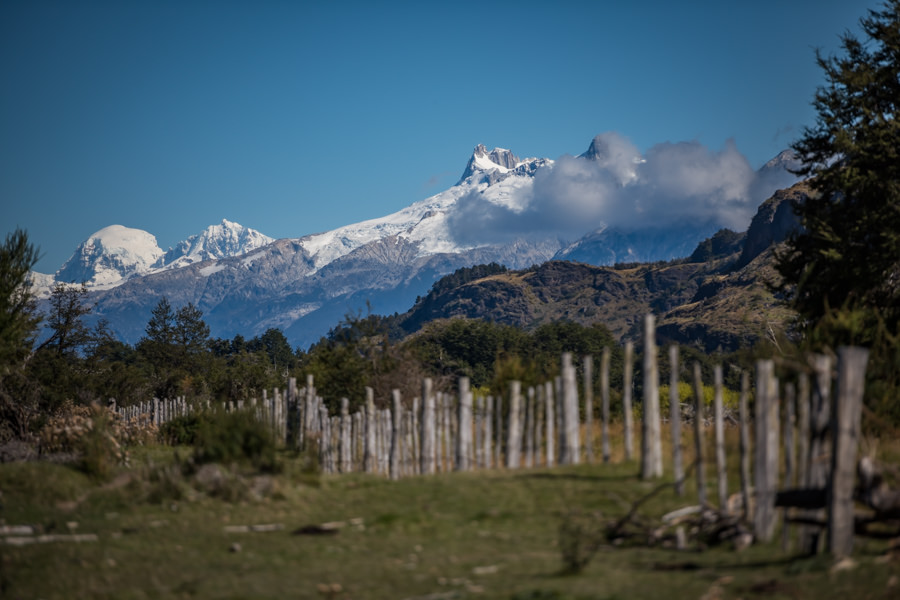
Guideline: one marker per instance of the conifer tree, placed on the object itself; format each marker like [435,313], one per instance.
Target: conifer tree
[18,319]
[846,259]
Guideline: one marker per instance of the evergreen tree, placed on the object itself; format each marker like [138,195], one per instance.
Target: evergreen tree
[18,319]
[847,256]
[161,326]
[191,333]
[66,319]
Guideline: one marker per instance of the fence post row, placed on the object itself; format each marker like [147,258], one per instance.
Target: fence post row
[542,428]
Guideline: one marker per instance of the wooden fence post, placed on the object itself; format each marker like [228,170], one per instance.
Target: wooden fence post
[464,426]
[818,458]
[675,421]
[627,386]
[719,416]
[427,454]
[488,431]
[847,411]
[346,441]
[292,420]
[698,435]
[478,444]
[588,386]
[539,411]
[498,433]
[513,440]
[651,443]
[572,447]
[551,422]
[604,404]
[745,443]
[790,458]
[448,432]
[370,459]
[529,428]
[766,451]
[396,419]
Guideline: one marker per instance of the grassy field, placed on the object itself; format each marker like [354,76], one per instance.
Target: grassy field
[481,535]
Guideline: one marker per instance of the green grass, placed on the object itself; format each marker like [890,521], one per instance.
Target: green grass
[481,535]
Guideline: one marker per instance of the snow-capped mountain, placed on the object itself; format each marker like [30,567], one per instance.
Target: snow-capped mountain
[215,242]
[111,256]
[503,209]
[498,177]
[116,254]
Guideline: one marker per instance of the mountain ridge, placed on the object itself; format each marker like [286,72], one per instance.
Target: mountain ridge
[305,285]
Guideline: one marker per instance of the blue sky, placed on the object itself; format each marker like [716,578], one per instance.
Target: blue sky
[298,117]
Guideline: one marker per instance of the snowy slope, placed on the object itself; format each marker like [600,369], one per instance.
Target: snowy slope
[111,256]
[116,254]
[215,242]
[498,176]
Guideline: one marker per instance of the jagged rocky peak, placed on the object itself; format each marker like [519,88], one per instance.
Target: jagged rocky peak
[786,159]
[483,161]
[615,153]
[216,241]
[110,256]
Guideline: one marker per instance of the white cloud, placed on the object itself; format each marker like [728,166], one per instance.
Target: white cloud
[613,185]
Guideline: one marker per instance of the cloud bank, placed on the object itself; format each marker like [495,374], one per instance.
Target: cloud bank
[613,185]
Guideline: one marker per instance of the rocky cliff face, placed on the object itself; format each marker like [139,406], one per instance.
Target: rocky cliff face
[774,221]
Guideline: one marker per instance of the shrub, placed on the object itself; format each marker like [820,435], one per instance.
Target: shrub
[235,437]
[181,431]
[99,450]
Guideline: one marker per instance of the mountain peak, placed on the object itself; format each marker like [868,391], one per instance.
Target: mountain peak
[110,256]
[498,159]
[613,152]
[216,241]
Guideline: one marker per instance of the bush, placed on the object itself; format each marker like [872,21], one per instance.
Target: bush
[181,431]
[99,451]
[235,437]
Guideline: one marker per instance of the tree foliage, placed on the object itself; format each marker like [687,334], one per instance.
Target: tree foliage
[842,271]
[848,254]
[65,319]
[18,319]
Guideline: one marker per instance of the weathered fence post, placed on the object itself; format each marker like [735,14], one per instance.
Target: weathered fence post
[447,434]
[766,451]
[651,443]
[346,442]
[818,459]
[698,435]
[464,426]
[529,428]
[627,386]
[847,406]
[370,459]
[396,418]
[551,422]
[488,430]
[588,386]
[719,416]
[514,440]
[675,421]
[538,424]
[572,447]
[604,404]
[427,454]
[803,423]
[744,414]
[790,459]
[479,432]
